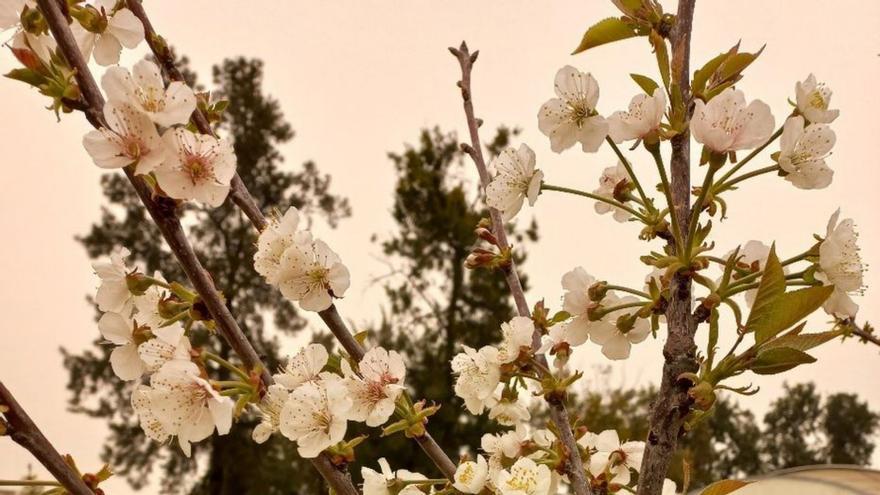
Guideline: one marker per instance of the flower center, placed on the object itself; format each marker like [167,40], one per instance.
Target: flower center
[818,98]
[151,99]
[579,112]
[523,480]
[198,167]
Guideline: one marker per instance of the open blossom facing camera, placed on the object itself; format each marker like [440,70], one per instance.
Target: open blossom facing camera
[304,366]
[803,151]
[270,412]
[617,331]
[144,88]
[641,120]
[196,167]
[609,450]
[515,335]
[516,179]
[315,415]
[280,234]
[130,138]
[572,118]
[478,375]
[375,390]
[610,179]
[470,476]
[727,124]
[187,405]
[840,264]
[525,477]
[313,274]
[106,31]
[813,100]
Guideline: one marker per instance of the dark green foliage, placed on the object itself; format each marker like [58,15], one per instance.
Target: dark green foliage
[225,242]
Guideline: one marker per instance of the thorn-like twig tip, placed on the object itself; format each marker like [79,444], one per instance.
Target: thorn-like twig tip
[474,56]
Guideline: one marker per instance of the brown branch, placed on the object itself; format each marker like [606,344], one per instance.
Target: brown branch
[245,201]
[558,412]
[865,333]
[672,403]
[22,430]
[163,212]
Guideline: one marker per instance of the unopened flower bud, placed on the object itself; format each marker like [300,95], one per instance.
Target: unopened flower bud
[598,291]
[486,235]
[138,283]
[90,18]
[703,395]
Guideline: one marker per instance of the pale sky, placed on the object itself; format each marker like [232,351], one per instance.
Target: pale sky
[358,79]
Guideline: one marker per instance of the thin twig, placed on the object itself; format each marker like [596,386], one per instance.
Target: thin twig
[672,404]
[22,430]
[558,413]
[163,212]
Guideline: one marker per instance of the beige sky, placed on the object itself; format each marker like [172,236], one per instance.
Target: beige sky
[359,78]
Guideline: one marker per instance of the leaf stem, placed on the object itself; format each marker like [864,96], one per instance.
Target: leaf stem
[751,155]
[667,191]
[720,187]
[629,290]
[631,173]
[210,356]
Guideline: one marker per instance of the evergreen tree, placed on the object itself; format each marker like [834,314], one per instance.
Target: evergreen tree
[225,242]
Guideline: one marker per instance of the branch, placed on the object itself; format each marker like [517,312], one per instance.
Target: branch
[22,430]
[245,201]
[558,412]
[672,403]
[163,212]
[865,333]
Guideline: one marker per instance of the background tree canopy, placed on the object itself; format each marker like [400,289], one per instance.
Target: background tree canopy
[434,305]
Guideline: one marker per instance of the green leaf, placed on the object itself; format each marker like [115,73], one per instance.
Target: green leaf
[662,54]
[606,31]
[789,309]
[629,7]
[736,63]
[647,84]
[27,76]
[772,286]
[701,76]
[723,487]
[773,361]
[802,341]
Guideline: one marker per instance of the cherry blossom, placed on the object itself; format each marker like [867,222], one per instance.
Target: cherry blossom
[153,428]
[113,293]
[608,183]
[612,455]
[124,358]
[577,301]
[312,274]
[279,235]
[803,151]
[515,181]
[508,411]
[525,477]
[196,167]
[116,28]
[641,120]
[187,405]
[384,481]
[515,336]
[42,45]
[375,391]
[130,138]
[841,265]
[616,335]
[305,366]
[315,415]
[478,375]
[572,117]
[144,88]
[727,124]
[560,340]
[270,412]
[813,100]
[470,476]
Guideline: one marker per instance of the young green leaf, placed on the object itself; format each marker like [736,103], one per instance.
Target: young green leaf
[802,342]
[772,286]
[789,309]
[647,84]
[777,360]
[606,31]
[662,54]
[723,487]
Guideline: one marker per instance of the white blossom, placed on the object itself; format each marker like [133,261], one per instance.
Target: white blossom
[270,412]
[315,415]
[196,167]
[187,405]
[727,124]
[516,179]
[841,265]
[803,151]
[577,302]
[616,342]
[470,476]
[146,305]
[626,455]
[669,487]
[312,274]
[382,482]
[515,335]
[375,390]
[305,366]
[478,375]
[124,359]
[572,117]
[509,411]
[130,138]
[279,235]
[525,477]
[641,120]
[560,340]
[122,29]
[608,182]
[113,294]
[153,428]
[507,444]
[813,100]
[144,88]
